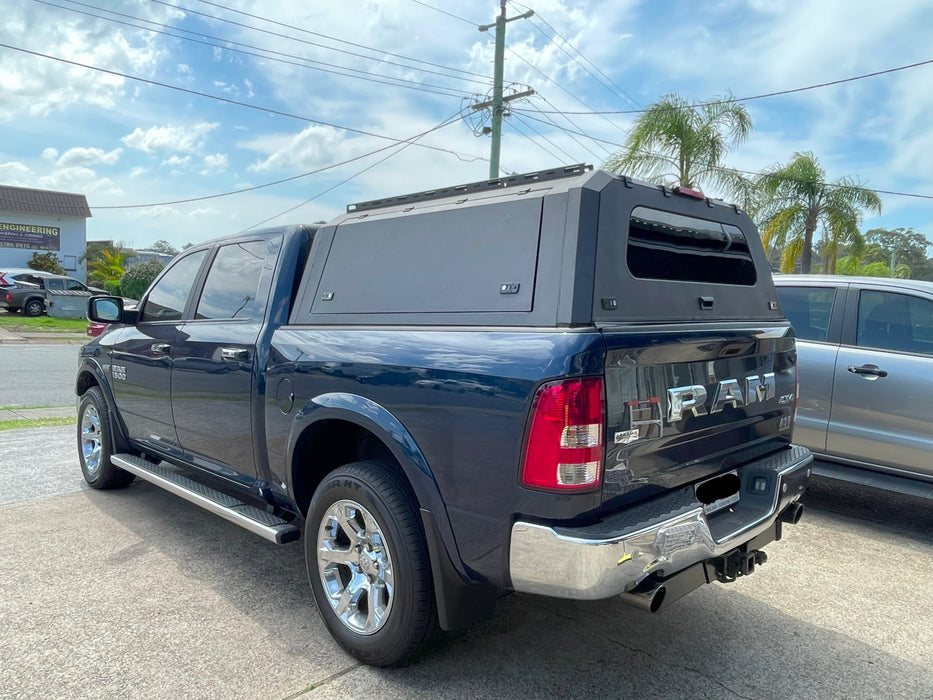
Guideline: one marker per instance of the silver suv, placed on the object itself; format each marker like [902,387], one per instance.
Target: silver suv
[865,349]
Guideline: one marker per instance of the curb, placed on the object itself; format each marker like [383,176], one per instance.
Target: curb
[12,413]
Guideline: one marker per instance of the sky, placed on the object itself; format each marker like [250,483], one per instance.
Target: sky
[165,101]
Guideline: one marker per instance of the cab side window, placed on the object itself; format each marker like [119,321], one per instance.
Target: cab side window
[167,300]
[895,322]
[234,287]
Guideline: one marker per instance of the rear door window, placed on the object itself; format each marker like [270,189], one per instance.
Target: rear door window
[167,300]
[808,310]
[234,289]
[898,322]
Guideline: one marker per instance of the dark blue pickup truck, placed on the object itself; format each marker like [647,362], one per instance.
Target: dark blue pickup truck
[565,383]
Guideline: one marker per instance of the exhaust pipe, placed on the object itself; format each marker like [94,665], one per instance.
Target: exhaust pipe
[647,597]
[792,513]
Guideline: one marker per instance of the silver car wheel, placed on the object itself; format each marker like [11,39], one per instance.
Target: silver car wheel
[355,567]
[91,439]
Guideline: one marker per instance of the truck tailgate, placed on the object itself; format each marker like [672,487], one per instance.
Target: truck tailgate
[691,404]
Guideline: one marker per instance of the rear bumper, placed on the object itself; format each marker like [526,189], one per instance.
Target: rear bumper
[659,539]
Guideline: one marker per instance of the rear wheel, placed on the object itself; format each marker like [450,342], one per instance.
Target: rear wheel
[94,441]
[368,564]
[33,307]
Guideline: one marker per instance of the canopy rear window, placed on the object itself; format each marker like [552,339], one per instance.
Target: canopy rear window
[667,246]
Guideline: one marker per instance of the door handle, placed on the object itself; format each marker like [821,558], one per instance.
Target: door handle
[872,371]
[234,354]
[160,348]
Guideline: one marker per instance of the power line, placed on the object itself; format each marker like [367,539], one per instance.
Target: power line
[401,147]
[365,75]
[569,132]
[744,172]
[407,142]
[612,86]
[293,38]
[239,103]
[445,12]
[343,41]
[770,94]
[545,138]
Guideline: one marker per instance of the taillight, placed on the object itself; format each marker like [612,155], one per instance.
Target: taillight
[565,442]
[796,390]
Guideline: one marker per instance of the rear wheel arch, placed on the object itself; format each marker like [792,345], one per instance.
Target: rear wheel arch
[328,444]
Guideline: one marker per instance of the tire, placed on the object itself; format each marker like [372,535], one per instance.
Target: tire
[33,307]
[368,563]
[94,443]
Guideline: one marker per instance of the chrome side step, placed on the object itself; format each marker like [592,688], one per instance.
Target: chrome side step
[255,520]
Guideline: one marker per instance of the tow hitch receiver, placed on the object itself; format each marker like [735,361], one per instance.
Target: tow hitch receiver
[736,563]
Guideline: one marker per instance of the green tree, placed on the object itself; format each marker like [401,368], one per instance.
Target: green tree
[902,246]
[106,266]
[137,279]
[164,247]
[678,143]
[47,262]
[796,200]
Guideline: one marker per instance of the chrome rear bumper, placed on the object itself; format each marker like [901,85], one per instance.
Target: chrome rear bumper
[614,556]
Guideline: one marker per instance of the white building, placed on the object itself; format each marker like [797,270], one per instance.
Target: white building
[34,221]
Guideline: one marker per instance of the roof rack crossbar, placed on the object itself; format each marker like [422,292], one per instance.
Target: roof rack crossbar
[473,187]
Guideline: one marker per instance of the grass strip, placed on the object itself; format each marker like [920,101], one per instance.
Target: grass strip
[19,423]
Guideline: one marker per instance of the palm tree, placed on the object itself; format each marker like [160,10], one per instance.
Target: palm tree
[678,143]
[107,265]
[796,199]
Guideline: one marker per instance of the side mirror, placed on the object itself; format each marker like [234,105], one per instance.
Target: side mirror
[105,309]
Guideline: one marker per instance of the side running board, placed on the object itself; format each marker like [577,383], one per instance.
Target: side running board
[255,520]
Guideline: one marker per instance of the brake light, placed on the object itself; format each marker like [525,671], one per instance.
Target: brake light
[564,450]
[696,194]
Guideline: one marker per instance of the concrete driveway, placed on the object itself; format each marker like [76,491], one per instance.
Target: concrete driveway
[137,594]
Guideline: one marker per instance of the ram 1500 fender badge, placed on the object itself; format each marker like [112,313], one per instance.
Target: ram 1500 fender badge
[118,372]
[728,392]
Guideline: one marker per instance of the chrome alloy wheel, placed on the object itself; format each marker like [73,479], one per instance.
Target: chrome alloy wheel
[91,438]
[355,567]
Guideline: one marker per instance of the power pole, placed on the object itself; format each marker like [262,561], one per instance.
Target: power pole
[498,102]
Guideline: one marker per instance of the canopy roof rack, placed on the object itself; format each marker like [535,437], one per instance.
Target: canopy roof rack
[481,186]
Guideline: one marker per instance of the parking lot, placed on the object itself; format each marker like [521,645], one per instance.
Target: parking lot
[135,593]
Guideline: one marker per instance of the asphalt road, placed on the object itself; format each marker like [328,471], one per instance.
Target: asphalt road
[138,594]
[37,375]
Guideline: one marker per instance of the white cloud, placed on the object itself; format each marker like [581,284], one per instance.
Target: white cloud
[170,138]
[13,173]
[49,154]
[203,213]
[215,163]
[88,156]
[137,171]
[156,213]
[37,86]
[313,147]
[176,161]
[79,179]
